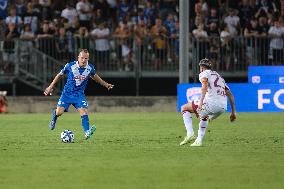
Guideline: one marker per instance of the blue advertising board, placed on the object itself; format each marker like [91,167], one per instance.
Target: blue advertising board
[248,97]
[266,74]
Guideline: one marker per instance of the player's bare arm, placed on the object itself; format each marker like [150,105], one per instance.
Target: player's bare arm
[204,88]
[49,89]
[230,95]
[99,80]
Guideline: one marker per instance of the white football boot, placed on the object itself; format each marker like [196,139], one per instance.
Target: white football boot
[187,139]
[196,143]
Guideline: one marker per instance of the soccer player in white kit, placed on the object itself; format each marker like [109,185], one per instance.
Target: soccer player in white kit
[213,102]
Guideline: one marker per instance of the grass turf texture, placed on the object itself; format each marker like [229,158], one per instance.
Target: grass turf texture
[140,150]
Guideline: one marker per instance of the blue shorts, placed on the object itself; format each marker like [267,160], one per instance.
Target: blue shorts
[77,101]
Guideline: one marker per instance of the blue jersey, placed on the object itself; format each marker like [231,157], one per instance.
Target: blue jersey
[77,78]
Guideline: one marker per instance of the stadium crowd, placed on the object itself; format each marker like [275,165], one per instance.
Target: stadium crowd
[215,26]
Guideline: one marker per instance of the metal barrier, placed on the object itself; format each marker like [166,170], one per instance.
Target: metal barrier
[153,57]
[161,54]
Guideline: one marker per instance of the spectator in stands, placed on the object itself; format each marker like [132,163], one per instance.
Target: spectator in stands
[245,12]
[37,8]
[200,32]
[140,16]
[129,22]
[9,46]
[101,36]
[20,7]
[141,39]
[2,38]
[45,42]
[45,31]
[121,36]
[61,44]
[233,22]
[13,18]
[98,18]
[212,18]
[74,27]
[197,21]
[265,8]
[26,44]
[167,7]
[198,10]
[263,40]
[3,9]
[252,32]
[69,13]
[124,7]
[150,13]
[31,17]
[276,32]
[159,36]
[82,32]
[112,11]
[225,37]
[2,29]
[174,37]
[81,38]
[46,12]
[27,33]
[84,9]
[213,34]
[201,42]
[169,23]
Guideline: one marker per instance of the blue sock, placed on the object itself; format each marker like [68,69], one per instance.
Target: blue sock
[54,116]
[85,122]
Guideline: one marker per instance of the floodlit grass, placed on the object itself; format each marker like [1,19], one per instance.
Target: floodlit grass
[140,150]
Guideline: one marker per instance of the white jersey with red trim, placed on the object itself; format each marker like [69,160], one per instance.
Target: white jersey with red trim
[216,94]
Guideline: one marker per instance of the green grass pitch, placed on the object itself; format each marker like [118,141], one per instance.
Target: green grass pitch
[141,150]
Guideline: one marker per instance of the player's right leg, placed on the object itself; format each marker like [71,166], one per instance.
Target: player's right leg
[207,112]
[186,111]
[55,114]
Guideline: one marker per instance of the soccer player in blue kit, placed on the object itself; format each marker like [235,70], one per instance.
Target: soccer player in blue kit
[78,74]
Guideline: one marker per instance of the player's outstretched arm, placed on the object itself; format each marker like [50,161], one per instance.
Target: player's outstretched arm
[230,95]
[99,80]
[49,89]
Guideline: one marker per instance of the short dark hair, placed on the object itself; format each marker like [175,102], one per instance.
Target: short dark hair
[83,50]
[206,63]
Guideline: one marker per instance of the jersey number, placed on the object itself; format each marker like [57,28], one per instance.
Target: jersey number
[220,89]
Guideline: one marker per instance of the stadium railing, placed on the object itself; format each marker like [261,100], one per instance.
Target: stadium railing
[41,59]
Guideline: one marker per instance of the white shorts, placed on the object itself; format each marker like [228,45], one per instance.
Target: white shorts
[208,110]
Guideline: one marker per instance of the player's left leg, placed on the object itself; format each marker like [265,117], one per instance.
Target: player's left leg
[203,124]
[85,123]
[206,113]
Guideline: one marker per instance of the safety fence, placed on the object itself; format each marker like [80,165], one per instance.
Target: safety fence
[153,57]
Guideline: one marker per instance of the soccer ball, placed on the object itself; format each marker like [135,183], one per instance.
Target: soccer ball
[67,136]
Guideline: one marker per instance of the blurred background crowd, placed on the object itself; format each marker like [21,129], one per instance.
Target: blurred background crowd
[215,26]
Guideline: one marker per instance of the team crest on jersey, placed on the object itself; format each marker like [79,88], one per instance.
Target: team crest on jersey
[193,94]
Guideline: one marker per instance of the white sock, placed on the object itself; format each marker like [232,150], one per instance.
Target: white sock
[187,120]
[201,131]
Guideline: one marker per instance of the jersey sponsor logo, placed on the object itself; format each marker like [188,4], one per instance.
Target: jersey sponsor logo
[193,94]
[80,77]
